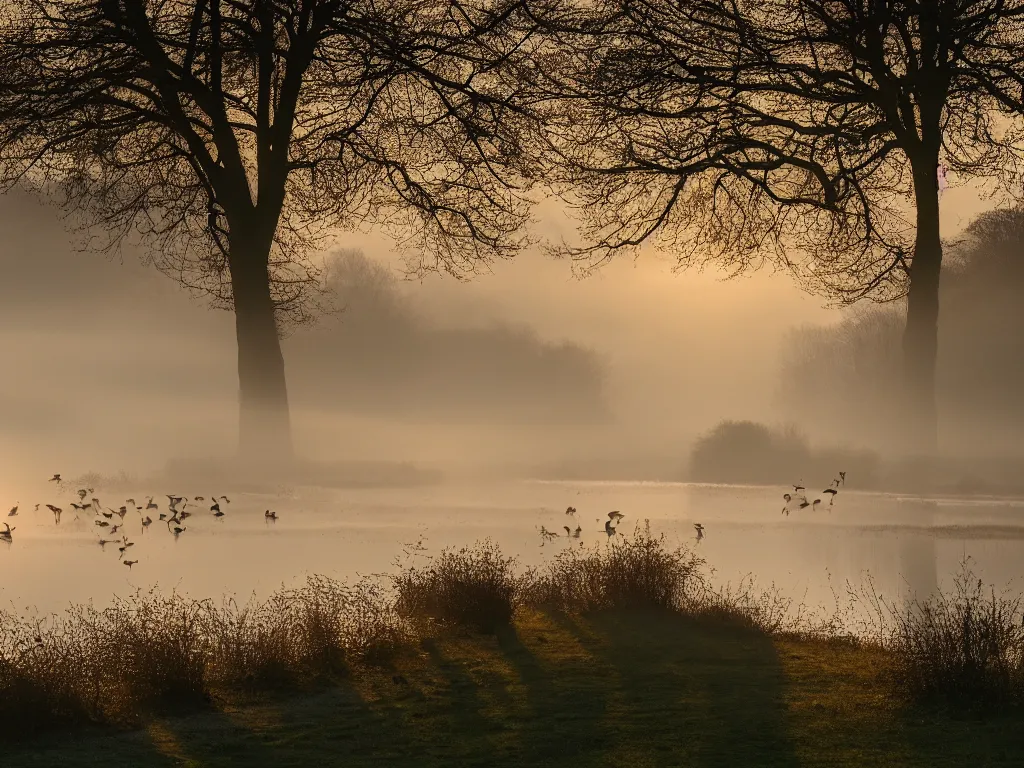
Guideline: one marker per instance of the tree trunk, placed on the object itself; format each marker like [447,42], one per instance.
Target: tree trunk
[264,424]
[921,335]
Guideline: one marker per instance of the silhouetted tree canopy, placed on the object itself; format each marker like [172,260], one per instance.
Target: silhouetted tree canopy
[232,134]
[788,132]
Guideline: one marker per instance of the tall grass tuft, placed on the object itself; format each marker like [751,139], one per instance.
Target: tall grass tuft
[317,630]
[629,572]
[964,647]
[474,587]
[151,652]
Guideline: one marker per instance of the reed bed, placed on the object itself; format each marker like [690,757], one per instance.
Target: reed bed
[151,651]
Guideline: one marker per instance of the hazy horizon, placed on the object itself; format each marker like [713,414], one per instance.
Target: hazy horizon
[681,352]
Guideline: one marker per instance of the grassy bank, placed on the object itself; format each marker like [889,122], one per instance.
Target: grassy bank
[604,657]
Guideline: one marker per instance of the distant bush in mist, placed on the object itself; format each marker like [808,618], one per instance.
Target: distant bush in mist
[745,451]
[750,452]
[381,355]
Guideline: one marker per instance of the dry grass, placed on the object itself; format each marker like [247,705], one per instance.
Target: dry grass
[473,587]
[963,647]
[152,652]
[641,571]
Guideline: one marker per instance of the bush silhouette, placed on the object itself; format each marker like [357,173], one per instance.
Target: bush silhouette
[747,452]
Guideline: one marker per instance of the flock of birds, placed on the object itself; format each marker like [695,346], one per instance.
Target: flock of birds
[177,513]
[104,517]
[609,526]
[798,499]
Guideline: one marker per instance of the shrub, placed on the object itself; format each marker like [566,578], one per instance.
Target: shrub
[636,572]
[965,647]
[745,451]
[473,587]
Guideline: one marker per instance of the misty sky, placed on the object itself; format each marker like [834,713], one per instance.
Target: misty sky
[683,350]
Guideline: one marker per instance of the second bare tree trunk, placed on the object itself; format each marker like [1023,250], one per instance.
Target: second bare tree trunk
[264,426]
[921,335]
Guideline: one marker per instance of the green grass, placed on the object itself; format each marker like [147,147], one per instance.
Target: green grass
[616,688]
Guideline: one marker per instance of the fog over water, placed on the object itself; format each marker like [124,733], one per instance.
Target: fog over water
[906,545]
[110,367]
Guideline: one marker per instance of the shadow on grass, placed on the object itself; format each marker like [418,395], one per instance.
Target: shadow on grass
[685,693]
[614,689]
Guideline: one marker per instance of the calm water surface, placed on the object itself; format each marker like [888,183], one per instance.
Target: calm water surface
[905,543]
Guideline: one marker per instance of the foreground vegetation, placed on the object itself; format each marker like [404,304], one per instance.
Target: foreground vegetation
[602,657]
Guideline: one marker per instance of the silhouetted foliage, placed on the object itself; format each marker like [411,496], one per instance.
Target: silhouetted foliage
[640,572]
[473,587]
[963,647]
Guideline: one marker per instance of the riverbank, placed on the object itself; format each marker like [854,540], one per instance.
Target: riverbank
[613,688]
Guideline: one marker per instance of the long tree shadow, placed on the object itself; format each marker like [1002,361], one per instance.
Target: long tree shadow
[689,693]
[610,689]
[565,695]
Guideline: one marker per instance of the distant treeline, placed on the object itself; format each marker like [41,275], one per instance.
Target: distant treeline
[116,325]
[840,381]
[381,355]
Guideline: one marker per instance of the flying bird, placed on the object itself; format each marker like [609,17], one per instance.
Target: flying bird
[13,512]
[215,507]
[700,530]
[130,563]
[55,479]
[82,493]
[842,477]
[609,528]
[570,511]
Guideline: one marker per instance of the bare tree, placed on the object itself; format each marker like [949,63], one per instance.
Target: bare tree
[236,135]
[789,132]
